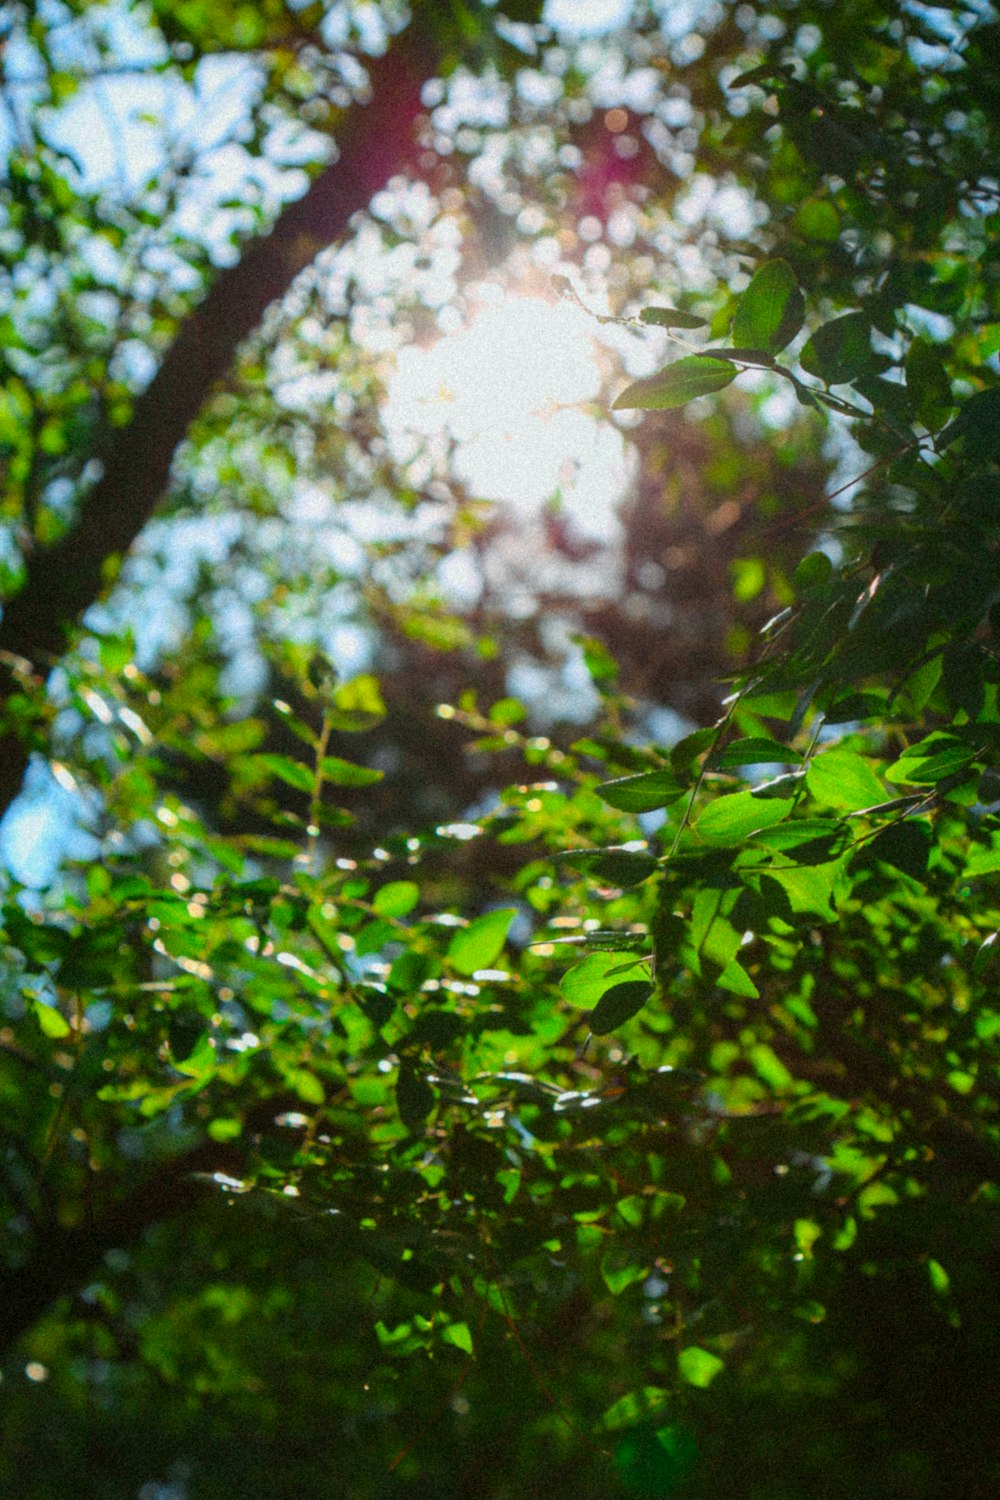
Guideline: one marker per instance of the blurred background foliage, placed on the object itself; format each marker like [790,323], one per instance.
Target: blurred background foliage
[354,1142]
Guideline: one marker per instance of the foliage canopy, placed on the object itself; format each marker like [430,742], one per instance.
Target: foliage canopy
[405,1093]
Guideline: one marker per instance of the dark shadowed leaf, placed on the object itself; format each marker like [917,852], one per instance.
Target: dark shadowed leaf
[841,350]
[928,384]
[619,1004]
[617,866]
[754,751]
[978,422]
[414,1096]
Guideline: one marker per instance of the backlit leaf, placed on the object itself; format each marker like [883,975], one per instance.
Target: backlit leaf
[476,946]
[346,773]
[842,779]
[51,1021]
[699,1366]
[587,981]
[729,820]
[771,310]
[679,383]
[292,772]
[397,898]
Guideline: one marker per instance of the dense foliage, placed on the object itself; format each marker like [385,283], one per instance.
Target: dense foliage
[405,1091]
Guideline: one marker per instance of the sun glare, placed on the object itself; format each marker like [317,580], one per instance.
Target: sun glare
[504,394]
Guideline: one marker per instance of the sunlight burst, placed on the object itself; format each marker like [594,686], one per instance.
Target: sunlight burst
[505,393]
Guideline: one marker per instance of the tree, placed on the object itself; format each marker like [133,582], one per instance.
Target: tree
[618,1139]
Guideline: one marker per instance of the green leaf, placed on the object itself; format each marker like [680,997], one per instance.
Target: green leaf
[458,1334]
[983,860]
[749,577]
[507,711]
[729,820]
[928,384]
[476,946]
[930,761]
[762,73]
[771,310]
[51,1021]
[671,317]
[686,751]
[619,1271]
[755,751]
[737,981]
[699,1367]
[614,865]
[356,704]
[202,1061]
[743,356]
[978,422]
[840,350]
[844,780]
[598,660]
[414,1096]
[679,383]
[290,771]
[817,219]
[619,1004]
[397,898]
[306,1085]
[812,574]
[346,773]
[643,793]
[808,888]
[585,983]
[905,845]
[852,706]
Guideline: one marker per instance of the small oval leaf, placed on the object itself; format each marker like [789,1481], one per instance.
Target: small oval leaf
[346,773]
[671,317]
[397,898]
[679,383]
[643,793]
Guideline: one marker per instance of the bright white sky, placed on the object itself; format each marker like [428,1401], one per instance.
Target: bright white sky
[505,389]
